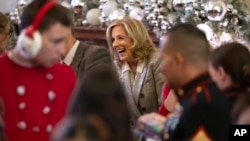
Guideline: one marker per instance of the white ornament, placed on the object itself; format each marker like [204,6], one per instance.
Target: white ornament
[207,30]
[20,90]
[225,37]
[24,2]
[46,110]
[35,129]
[117,14]
[109,7]
[49,76]
[77,3]
[49,128]
[7,6]
[137,13]
[93,16]
[51,95]
[65,4]
[22,125]
[22,105]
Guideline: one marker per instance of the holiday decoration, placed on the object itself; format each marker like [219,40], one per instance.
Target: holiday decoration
[93,16]
[109,7]
[222,20]
[137,13]
[117,14]
[215,10]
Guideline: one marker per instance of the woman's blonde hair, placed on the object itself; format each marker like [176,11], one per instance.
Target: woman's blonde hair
[142,42]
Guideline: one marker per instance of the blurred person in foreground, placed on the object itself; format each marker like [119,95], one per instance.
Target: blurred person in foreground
[98,111]
[203,113]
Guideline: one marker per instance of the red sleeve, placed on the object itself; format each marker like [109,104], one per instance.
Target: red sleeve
[162,110]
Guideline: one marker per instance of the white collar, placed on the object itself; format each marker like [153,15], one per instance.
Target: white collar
[70,55]
[139,67]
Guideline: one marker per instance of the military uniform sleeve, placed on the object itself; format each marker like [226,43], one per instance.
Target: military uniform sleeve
[195,124]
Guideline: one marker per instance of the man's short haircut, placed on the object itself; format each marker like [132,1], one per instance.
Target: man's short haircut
[54,15]
[190,41]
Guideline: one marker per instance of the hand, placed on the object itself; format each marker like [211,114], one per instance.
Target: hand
[151,125]
[152,116]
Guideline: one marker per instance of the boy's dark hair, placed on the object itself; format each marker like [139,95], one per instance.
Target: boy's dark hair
[54,15]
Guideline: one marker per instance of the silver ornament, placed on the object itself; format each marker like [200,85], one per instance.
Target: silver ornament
[225,23]
[153,1]
[154,23]
[79,7]
[235,12]
[230,7]
[160,17]
[157,11]
[126,6]
[202,13]
[85,23]
[151,17]
[215,10]
[80,3]
[164,26]
[179,5]
[160,2]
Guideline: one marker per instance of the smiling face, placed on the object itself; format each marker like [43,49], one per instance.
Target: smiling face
[122,43]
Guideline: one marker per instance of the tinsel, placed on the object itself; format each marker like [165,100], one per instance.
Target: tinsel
[228,19]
